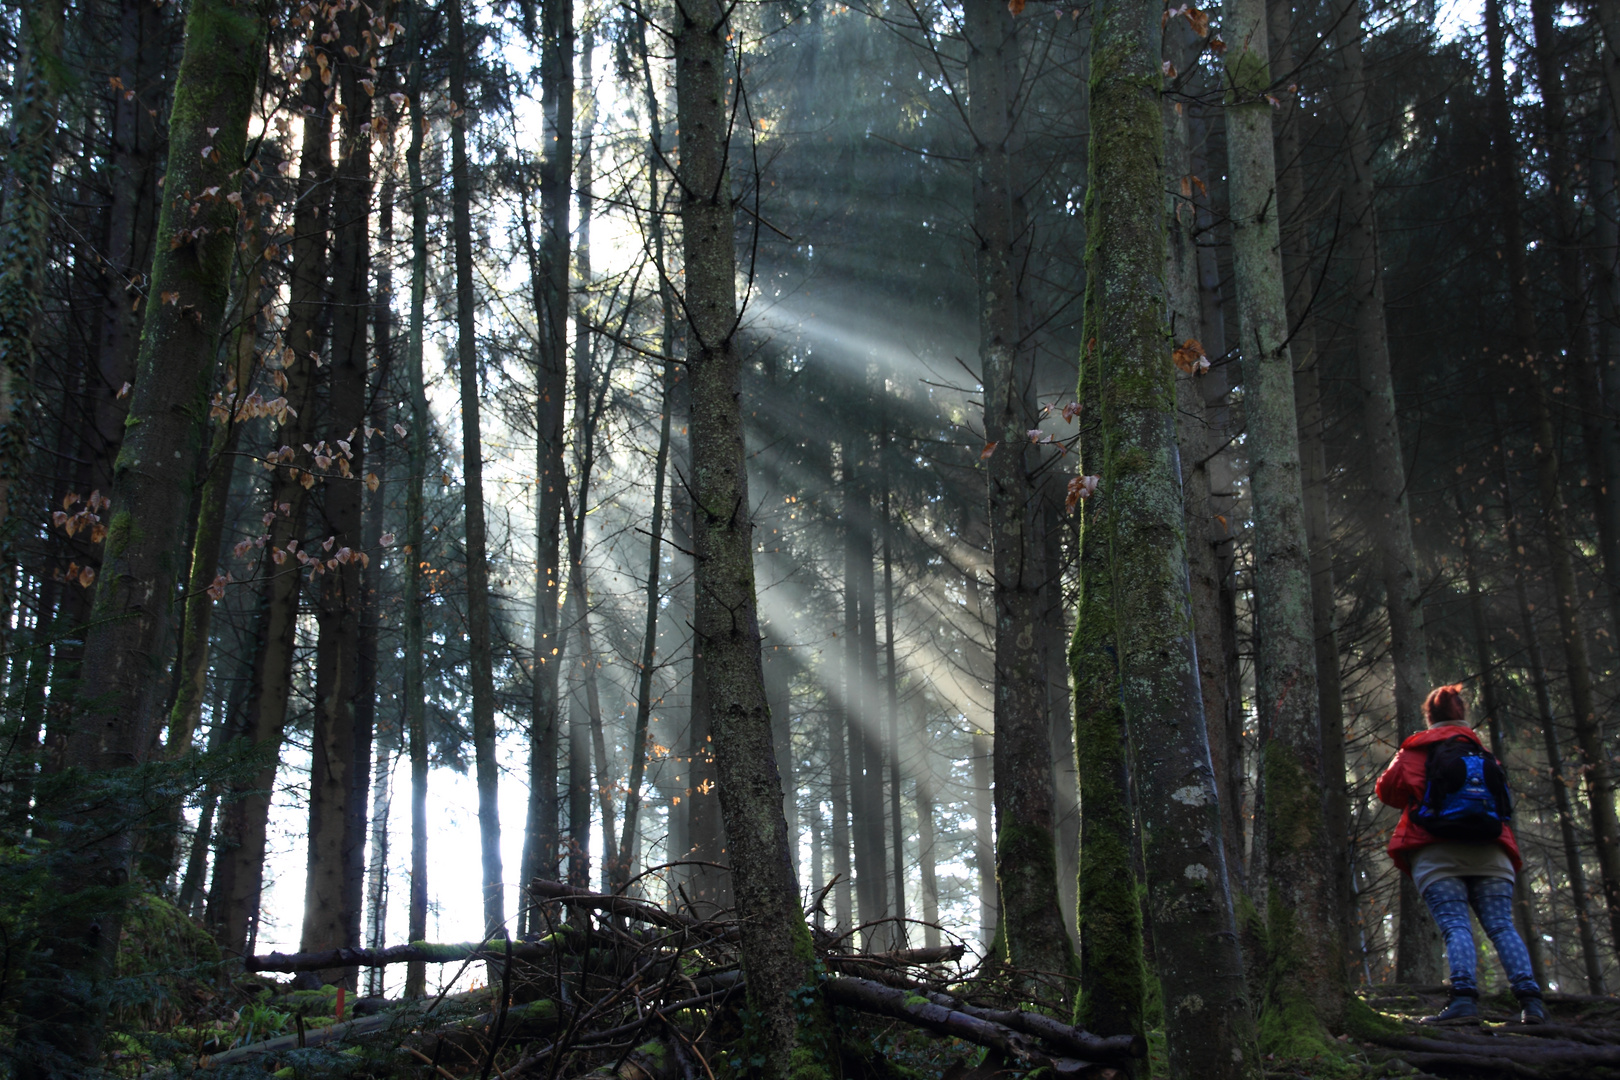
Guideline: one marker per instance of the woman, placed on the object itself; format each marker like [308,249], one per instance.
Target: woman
[1452,874]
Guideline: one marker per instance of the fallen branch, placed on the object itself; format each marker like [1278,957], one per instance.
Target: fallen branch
[1063,1036]
[425,951]
[626,908]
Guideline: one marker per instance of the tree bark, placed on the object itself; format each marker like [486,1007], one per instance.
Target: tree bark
[421,421]
[1200,441]
[1308,987]
[340,751]
[1026,872]
[775,942]
[121,699]
[1136,528]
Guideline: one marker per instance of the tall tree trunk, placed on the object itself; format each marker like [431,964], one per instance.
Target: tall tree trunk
[233,900]
[472,456]
[548,275]
[24,234]
[133,200]
[1594,760]
[984,826]
[1137,529]
[1591,957]
[649,640]
[775,942]
[377,872]
[856,511]
[984,838]
[152,486]
[197,620]
[1294,224]
[892,704]
[927,850]
[340,752]
[1308,987]
[838,780]
[579,783]
[421,421]
[1026,872]
[1605,256]
[376,510]
[860,693]
[191,674]
[1522,901]
[1200,441]
[1418,950]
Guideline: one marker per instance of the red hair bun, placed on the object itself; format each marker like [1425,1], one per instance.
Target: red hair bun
[1445,704]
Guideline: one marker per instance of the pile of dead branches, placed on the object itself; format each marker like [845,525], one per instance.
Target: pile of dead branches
[623,988]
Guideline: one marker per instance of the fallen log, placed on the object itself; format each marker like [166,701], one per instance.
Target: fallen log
[537,1017]
[915,1009]
[426,951]
[1064,1036]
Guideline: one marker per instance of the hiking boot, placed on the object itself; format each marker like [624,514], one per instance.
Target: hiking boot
[1464,1009]
[1532,1010]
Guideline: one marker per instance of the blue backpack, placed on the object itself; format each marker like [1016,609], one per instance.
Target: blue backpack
[1465,796]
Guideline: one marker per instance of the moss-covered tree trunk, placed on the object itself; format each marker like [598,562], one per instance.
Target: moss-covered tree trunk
[1031,925]
[1523,354]
[1307,992]
[233,898]
[120,697]
[1112,975]
[1136,532]
[775,942]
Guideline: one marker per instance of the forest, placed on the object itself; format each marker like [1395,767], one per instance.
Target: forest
[799,539]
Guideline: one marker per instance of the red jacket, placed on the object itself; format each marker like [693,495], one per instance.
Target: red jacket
[1402,786]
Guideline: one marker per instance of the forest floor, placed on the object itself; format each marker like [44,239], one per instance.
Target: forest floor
[627,991]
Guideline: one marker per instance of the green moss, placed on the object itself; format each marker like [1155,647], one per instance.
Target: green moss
[808,1064]
[1250,76]
[1289,1028]
[121,532]
[1367,1024]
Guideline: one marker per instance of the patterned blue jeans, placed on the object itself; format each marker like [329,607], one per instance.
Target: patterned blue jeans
[1492,898]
